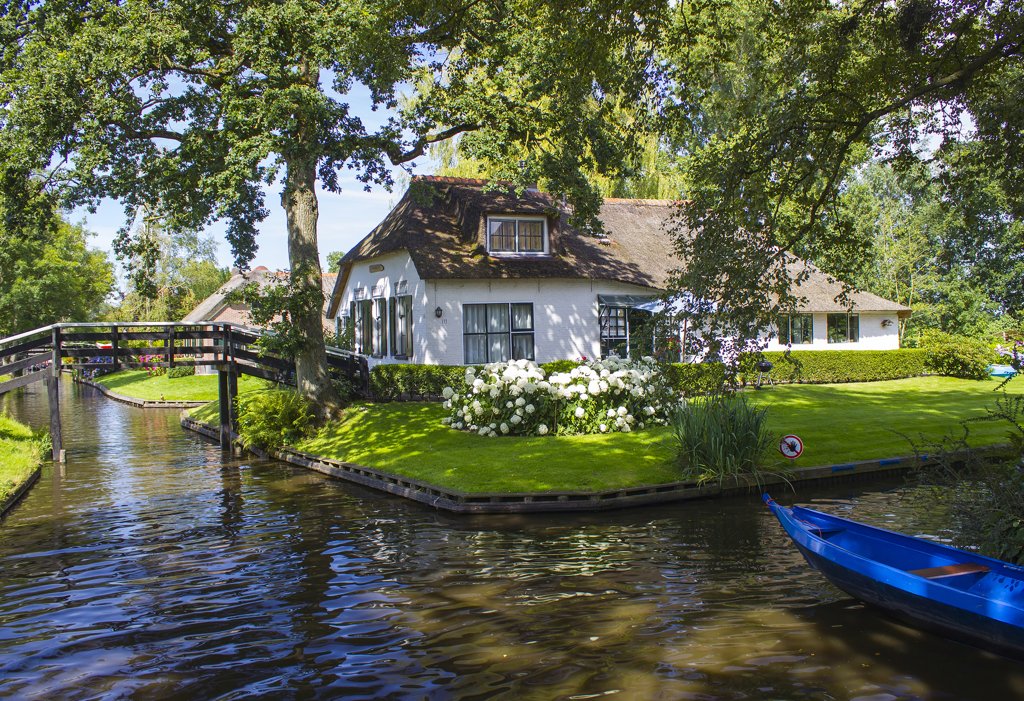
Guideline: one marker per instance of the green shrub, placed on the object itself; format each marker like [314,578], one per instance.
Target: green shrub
[391,382]
[275,417]
[517,398]
[186,371]
[694,379]
[833,366]
[559,366]
[721,436]
[958,356]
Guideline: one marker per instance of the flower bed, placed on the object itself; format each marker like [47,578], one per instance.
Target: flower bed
[599,396]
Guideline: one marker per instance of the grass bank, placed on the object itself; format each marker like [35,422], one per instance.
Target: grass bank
[191,388]
[838,423]
[21,451]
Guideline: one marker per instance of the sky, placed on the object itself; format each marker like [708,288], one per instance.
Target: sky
[345,217]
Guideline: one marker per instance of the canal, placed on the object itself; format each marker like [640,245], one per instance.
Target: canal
[155,566]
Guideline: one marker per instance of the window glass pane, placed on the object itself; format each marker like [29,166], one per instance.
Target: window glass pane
[613,322]
[806,328]
[474,318]
[522,346]
[498,347]
[497,318]
[502,235]
[476,350]
[854,328]
[838,331]
[784,326]
[531,236]
[522,317]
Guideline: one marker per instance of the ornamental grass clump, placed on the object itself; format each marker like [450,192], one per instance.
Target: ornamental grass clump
[721,436]
[599,396]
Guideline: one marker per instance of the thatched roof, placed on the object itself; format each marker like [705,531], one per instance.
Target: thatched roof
[441,222]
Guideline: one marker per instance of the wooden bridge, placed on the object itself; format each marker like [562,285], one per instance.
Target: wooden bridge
[40,356]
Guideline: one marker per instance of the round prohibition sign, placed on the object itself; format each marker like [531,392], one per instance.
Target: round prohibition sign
[791,446]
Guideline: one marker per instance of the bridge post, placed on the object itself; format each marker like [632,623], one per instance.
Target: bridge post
[227,391]
[113,348]
[53,398]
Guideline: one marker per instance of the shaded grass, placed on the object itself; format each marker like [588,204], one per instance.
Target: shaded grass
[838,423]
[21,451]
[192,388]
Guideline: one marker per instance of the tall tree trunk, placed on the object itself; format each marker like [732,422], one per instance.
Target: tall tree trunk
[301,209]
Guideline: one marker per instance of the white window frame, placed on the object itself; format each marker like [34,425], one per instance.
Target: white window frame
[515,218]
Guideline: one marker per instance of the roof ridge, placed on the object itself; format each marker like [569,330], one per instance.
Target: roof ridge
[451,180]
[629,200]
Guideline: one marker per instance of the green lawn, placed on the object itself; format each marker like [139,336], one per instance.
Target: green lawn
[20,454]
[192,388]
[865,420]
[838,423]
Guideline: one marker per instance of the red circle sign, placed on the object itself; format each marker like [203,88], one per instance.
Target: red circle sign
[791,446]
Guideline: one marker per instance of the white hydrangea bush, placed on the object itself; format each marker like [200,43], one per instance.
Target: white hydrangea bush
[598,396]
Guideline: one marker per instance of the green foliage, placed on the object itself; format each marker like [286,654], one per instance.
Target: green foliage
[560,366]
[518,398]
[827,366]
[174,272]
[182,371]
[391,382]
[720,437]
[50,276]
[695,379]
[274,418]
[776,104]
[958,356]
[276,305]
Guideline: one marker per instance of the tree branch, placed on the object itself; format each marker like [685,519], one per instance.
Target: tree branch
[397,156]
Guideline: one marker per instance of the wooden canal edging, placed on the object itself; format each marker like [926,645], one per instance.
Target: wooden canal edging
[14,497]
[548,502]
[41,354]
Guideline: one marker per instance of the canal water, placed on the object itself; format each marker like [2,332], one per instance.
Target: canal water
[154,566]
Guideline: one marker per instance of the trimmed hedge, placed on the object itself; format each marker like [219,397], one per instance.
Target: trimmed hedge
[413,382]
[826,366]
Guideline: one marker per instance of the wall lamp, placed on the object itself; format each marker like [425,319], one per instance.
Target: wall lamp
[438,312]
[886,323]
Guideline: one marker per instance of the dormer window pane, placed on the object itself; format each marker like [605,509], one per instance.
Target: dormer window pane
[503,235]
[516,235]
[531,236]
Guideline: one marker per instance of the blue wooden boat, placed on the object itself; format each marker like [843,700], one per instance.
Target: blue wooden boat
[952,592]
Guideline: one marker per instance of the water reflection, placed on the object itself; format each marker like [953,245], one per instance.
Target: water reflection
[156,566]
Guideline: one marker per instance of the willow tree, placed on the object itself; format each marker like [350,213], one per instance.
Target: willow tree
[188,109]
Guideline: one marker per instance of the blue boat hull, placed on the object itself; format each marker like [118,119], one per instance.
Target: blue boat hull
[983,606]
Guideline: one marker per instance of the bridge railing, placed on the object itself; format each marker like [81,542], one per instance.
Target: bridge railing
[40,355]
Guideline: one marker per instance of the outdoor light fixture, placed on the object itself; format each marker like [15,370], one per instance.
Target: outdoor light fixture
[438,312]
[886,323]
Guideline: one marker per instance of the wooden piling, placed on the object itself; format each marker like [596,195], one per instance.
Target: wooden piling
[53,399]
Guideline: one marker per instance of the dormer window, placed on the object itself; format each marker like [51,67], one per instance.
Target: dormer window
[517,235]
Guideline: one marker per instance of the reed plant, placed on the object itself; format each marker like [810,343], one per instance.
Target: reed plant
[722,436]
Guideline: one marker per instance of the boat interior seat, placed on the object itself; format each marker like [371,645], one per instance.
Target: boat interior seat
[950,570]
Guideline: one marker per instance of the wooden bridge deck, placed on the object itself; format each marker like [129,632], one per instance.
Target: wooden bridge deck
[39,356]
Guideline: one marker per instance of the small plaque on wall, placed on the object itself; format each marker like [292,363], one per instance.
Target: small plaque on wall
[376,268]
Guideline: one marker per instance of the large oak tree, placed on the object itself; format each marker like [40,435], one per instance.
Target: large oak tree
[188,109]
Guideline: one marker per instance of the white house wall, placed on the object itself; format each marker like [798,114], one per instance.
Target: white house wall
[873,334]
[566,323]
